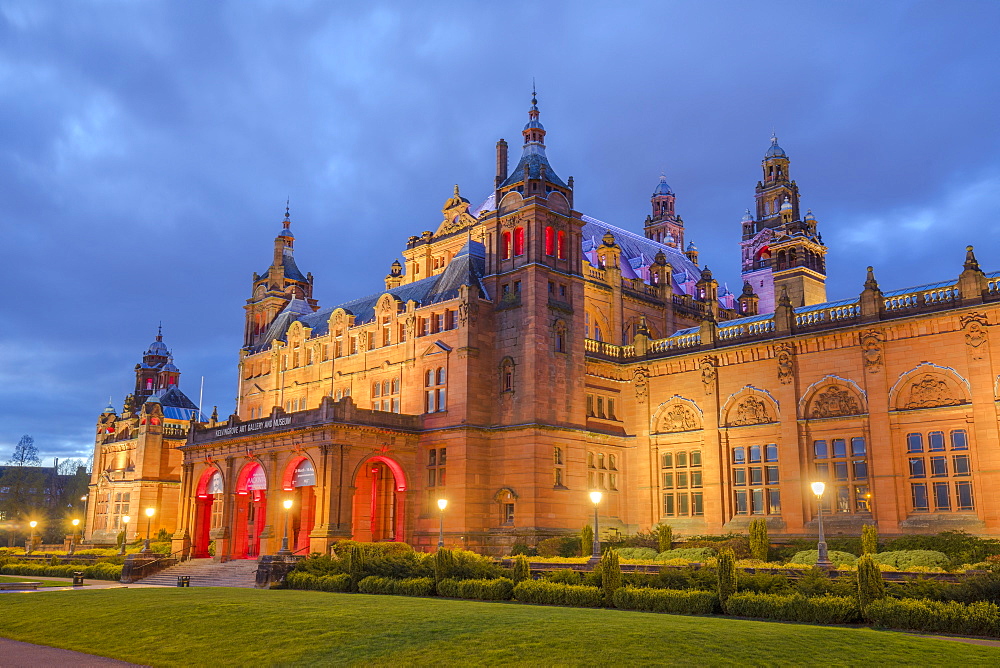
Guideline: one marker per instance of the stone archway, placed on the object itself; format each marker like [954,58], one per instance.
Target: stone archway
[379,501]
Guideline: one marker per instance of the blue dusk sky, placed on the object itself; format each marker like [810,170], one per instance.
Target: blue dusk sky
[147,149]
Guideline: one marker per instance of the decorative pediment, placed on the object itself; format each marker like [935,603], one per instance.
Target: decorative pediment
[388,304]
[437,348]
[929,386]
[456,215]
[750,406]
[675,415]
[832,397]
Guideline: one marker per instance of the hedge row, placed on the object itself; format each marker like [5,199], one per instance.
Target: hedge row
[298,580]
[92,572]
[795,608]
[980,619]
[674,601]
[553,593]
[497,589]
[374,584]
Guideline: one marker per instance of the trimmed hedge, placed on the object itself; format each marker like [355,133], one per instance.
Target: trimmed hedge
[674,601]
[497,589]
[981,619]
[795,608]
[905,559]
[374,584]
[301,580]
[810,557]
[637,553]
[689,553]
[92,572]
[551,593]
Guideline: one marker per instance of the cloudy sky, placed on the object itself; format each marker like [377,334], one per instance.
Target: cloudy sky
[147,149]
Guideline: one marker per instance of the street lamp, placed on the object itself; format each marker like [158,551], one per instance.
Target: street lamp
[72,542]
[284,541]
[823,561]
[149,519]
[125,519]
[442,504]
[31,540]
[596,552]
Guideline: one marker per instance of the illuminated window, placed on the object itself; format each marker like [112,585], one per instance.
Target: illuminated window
[755,487]
[950,486]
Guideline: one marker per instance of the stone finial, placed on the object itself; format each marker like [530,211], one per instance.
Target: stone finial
[642,328]
[748,289]
[970,260]
[870,282]
[706,274]
[784,299]
[660,258]
[608,238]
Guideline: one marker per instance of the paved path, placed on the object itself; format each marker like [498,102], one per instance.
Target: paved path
[25,655]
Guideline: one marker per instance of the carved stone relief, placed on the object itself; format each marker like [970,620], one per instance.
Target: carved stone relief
[871,347]
[974,325]
[750,411]
[834,401]
[678,418]
[708,373]
[786,367]
[640,377]
[930,391]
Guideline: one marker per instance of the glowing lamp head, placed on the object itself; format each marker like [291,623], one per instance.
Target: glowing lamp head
[442,503]
[818,488]
[125,519]
[596,497]
[150,511]
[76,523]
[287,504]
[33,524]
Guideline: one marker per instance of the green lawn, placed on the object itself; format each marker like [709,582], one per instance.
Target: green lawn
[226,627]
[43,582]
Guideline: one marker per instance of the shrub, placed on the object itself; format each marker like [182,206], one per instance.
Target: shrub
[637,553]
[739,544]
[448,587]
[959,546]
[564,576]
[586,540]
[664,537]
[794,608]
[611,575]
[559,546]
[304,580]
[374,584]
[521,570]
[551,593]
[869,539]
[684,578]
[497,589]
[817,582]
[837,558]
[980,618]
[666,600]
[905,559]
[444,563]
[766,583]
[470,565]
[758,540]
[726,574]
[689,553]
[870,584]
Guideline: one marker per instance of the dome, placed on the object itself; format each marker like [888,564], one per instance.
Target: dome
[669,238]
[286,232]
[662,188]
[786,205]
[169,366]
[152,399]
[692,247]
[109,409]
[809,215]
[775,151]
[748,217]
[157,348]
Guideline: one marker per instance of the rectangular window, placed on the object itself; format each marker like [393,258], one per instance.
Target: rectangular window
[958,440]
[697,504]
[861,498]
[942,497]
[914,443]
[858,448]
[822,471]
[917,469]
[774,501]
[590,480]
[739,477]
[935,441]
[682,504]
[840,471]
[771,452]
[919,491]
[431,477]
[860,469]
[741,502]
[754,454]
[739,456]
[668,481]
[612,481]
[843,499]
[839,447]
[667,460]
[682,480]
[681,459]
[757,499]
[696,458]
[695,479]
[820,450]
[960,465]
[939,467]
[963,495]
[756,475]
[442,456]
[508,513]
[771,475]
[668,504]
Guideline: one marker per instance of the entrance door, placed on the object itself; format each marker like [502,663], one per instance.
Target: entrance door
[376,502]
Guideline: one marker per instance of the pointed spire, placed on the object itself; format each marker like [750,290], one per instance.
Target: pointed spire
[287,222]
[159,330]
[784,299]
[970,260]
[870,282]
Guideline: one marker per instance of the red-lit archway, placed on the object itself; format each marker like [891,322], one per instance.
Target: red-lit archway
[250,511]
[299,481]
[207,510]
[379,501]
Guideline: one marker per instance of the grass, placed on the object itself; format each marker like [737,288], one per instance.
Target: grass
[227,627]
[42,582]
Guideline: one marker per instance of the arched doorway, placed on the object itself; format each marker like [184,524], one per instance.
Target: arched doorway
[251,501]
[379,501]
[208,511]
[300,480]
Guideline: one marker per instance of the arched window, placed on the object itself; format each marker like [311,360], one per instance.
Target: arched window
[505,246]
[561,245]
[560,337]
[395,385]
[376,390]
[385,387]
[550,241]
[518,241]
[507,375]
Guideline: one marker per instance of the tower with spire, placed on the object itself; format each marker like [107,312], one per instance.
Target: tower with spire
[275,288]
[781,251]
[664,225]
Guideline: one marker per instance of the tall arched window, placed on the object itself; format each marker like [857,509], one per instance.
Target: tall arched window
[505,246]
[561,245]
[518,241]
[550,241]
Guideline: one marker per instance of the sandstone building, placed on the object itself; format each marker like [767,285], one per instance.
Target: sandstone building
[523,354]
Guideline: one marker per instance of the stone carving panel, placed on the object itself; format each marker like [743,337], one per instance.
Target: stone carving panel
[834,401]
[786,364]
[749,411]
[871,347]
[930,391]
[678,417]
[640,378]
[975,325]
[708,373]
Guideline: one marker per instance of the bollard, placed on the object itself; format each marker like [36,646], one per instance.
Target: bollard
[77,578]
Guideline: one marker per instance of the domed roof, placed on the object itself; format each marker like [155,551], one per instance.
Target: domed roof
[748,217]
[786,205]
[809,215]
[109,409]
[286,232]
[152,399]
[533,124]
[692,247]
[169,366]
[775,151]
[157,348]
[662,188]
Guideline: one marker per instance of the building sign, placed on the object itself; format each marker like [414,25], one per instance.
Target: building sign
[214,484]
[254,426]
[305,474]
[257,480]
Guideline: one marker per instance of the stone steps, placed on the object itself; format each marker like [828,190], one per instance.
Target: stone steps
[207,573]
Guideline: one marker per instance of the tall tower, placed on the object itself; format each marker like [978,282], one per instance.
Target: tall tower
[664,225]
[272,291]
[156,371]
[779,249]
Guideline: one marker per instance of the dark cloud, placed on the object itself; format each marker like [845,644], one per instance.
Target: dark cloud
[148,149]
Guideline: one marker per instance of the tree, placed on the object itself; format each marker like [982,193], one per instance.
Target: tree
[870,584]
[869,539]
[23,481]
[611,575]
[586,540]
[665,537]
[726,576]
[759,543]
[25,453]
[522,569]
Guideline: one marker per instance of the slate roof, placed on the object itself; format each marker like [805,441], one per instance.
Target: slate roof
[533,155]
[291,269]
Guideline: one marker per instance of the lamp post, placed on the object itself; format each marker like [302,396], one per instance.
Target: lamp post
[72,542]
[31,539]
[442,504]
[596,550]
[149,519]
[125,519]
[823,561]
[284,551]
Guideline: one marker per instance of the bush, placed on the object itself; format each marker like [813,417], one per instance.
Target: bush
[959,546]
[726,574]
[637,553]
[374,584]
[523,548]
[470,565]
[982,618]
[766,583]
[739,544]
[522,569]
[444,564]
[673,601]
[689,553]
[611,575]
[303,580]
[563,576]
[810,557]
[559,546]
[664,537]
[870,585]
[92,572]
[794,608]
[759,543]
[906,559]
[869,539]
[551,593]
[586,540]
[497,589]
